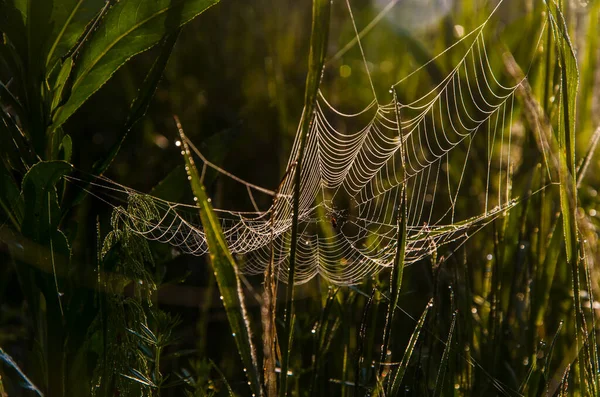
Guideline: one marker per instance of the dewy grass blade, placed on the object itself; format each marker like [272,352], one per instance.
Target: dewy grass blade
[396,276]
[439,381]
[318,47]
[409,351]
[566,127]
[225,270]
[569,84]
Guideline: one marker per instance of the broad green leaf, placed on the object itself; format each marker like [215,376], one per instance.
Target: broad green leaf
[140,104]
[69,20]
[128,28]
[226,273]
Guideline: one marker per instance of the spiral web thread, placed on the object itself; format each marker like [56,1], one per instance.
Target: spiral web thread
[352,179]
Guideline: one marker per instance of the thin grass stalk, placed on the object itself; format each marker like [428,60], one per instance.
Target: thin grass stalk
[588,156]
[360,343]
[268,310]
[398,269]
[225,270]
[403,366]
[439,380]
[592,339]
[318,46]
[321,331]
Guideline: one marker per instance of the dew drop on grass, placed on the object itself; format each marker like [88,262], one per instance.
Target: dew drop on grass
[177,143]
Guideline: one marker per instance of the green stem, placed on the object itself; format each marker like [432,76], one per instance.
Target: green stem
[319,34]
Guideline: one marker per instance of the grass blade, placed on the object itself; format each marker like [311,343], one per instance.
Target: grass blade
[409,351]
[439,381]
[316,58]
[396,276]
[226,272]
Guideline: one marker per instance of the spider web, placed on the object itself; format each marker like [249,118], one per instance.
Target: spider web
[353,173]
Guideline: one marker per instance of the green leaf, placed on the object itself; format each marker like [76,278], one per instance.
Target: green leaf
[128,28]
[42,213]
[13,19]
[140,104]
[172,187]
[226,273]
[569,84]
[69,20]
[60,83]
[67,147]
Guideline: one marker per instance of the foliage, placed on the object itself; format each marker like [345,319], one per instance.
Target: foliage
[90,306]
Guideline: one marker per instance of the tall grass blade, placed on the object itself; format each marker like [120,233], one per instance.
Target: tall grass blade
[226,272]
[439,381]
[397,271]
[362,333]
[316,58]
[409,351]
[569,84]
